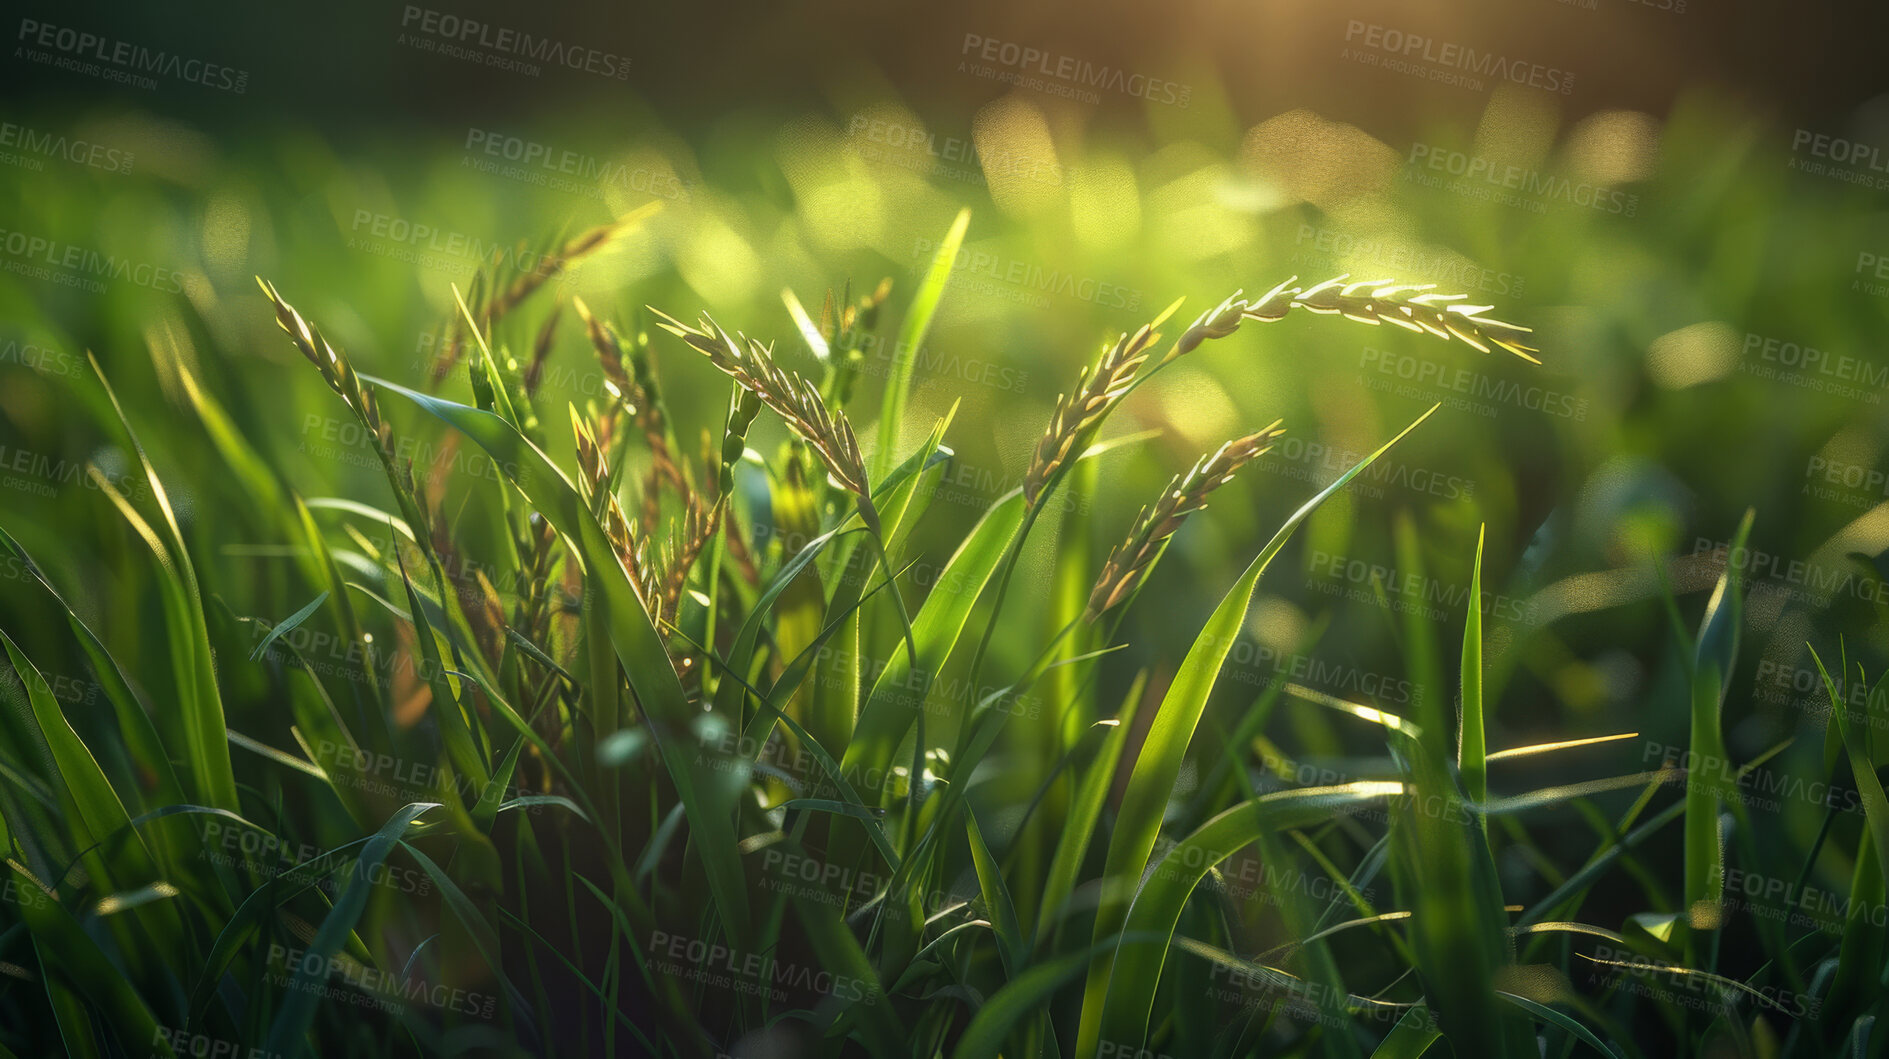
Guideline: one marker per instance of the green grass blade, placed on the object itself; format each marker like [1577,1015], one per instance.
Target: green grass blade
[1159,764]
[1122,1017]
[1003,911]
[201,704]
[1868,784]
[1563,1021]
[899,692]
[1471,745]
[912,332]
[97,810]
[67,950]
[1717,654]
[1023,997]
[1084,813]
[1411,1037]
[710,795]
[288,624]
[292,1020]
[134,722]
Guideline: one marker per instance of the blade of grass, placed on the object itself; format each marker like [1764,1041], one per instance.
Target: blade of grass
[1135,970]
[189,639]
[290,1028]
[1471,745]
[1159,764]
[912,332]
[638,645]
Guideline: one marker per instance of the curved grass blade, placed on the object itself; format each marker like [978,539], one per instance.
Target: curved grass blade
[899,692]
[1135,970]
[484,937]
[1411,1037]
[1159,764]
[67,951]
[710,795]
[1079,828]
[990,880]
[201,706]
[912,332]
[292,1020]
[288,625]
[1471,743]
[1717,654]
[134,723]
[1025,995]
[87,794]
[1547,1014]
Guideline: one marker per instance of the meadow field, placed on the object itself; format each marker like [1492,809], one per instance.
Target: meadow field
[1105,556]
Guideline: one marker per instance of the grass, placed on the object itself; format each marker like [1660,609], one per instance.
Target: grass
[567,732]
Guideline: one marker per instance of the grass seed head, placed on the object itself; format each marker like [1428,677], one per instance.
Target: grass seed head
[1417,307]
[792,397]
[1079,412]
[1129,563]
[333,365]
